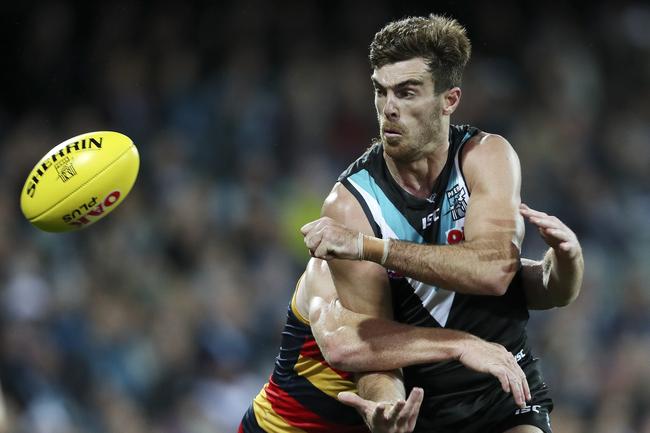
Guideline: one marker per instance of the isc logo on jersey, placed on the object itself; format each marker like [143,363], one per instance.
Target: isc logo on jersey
[535,408]
[80,181]
[430,219]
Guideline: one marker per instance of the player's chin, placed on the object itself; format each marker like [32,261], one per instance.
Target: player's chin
[399,150]
[392,140]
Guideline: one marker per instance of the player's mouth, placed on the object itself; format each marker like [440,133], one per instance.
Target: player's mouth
[391,132]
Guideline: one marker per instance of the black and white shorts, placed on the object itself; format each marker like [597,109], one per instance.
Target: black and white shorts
[491,411]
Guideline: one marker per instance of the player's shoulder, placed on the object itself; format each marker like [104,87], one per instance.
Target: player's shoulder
[488,154]
[339,203]
[342,206]
[486,141]
[484,146]
[473,140]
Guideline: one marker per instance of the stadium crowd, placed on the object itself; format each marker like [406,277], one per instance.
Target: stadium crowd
[166,316]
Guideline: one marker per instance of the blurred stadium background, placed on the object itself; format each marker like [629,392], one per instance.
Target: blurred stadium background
[166,316]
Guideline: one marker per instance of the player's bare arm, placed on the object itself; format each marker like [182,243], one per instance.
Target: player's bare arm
[362,286]
[555,281]
[489,258]
[383,417]
[357,342]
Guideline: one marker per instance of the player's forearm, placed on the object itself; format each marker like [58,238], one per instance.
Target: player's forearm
[356,342]
[563,277]
[483,267]
[381,386]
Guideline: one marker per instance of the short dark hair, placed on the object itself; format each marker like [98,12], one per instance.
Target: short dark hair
[441,41]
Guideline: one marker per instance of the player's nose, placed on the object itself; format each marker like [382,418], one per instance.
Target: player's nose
[391,109]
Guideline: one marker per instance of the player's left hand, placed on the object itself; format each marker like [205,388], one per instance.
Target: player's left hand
[387,417]
[327,239]
[555,233]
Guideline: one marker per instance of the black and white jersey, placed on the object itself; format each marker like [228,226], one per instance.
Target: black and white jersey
[394,213]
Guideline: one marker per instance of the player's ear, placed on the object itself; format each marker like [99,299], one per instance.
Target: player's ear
[450,100]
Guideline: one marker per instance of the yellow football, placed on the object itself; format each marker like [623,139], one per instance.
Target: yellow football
[80,181]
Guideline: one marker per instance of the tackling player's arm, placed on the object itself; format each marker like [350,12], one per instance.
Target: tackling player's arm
[358,342]
[488,259]
[555,281]
[383,416]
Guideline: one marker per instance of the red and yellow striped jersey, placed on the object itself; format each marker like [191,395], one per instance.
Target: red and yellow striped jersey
[300,396]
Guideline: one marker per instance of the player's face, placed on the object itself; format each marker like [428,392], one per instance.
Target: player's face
[408,110]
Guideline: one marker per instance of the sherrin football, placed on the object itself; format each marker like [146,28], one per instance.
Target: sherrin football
[80,181]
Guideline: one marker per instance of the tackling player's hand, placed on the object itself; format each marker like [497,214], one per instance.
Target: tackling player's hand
[554,232]
[494,359]
[387,417]
[327,239]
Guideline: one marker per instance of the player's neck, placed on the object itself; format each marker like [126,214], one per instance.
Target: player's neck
[418,177]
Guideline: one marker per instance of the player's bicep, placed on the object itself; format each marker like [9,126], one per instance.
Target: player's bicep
[361,286]
[319,290]
[317,280]
[493,176]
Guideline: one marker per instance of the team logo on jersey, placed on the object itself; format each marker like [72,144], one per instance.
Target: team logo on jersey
[457,202]
[455,236]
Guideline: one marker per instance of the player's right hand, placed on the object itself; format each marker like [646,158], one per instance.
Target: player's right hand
[494,359]
[327,239]
[555,233]
[386,417]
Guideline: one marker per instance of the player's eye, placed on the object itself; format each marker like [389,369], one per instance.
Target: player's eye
[405,93]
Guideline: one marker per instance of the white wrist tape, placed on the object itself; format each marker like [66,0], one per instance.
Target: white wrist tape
[360,246]
[384,256]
